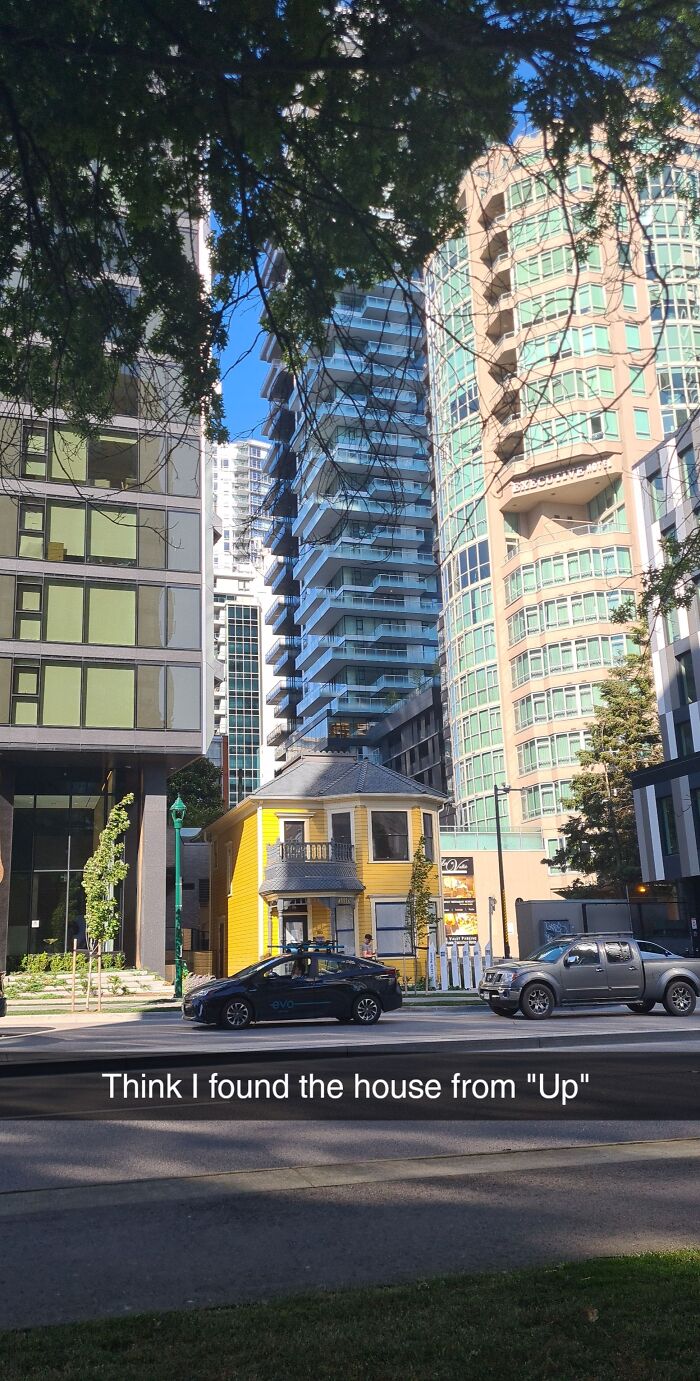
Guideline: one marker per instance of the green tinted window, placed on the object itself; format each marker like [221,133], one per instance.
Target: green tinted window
[64,612]
[112,615]
[66,526]
[109,698]
[60,703]
[68,456]
[113,534]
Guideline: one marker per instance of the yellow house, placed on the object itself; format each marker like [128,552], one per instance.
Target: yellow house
[324,850]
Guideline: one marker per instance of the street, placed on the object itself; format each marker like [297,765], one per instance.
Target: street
[119,1217]
[167,1032]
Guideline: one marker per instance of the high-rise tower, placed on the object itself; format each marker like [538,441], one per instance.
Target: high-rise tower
[552,372]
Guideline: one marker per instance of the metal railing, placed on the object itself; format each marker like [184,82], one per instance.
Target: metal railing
[329,851]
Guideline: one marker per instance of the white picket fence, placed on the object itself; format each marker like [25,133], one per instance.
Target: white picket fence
[457,965]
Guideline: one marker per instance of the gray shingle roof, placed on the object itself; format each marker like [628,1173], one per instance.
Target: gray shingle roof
[297,879]
[329,774]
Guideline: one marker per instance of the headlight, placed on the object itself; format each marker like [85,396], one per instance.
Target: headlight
[199,992]
[506,976]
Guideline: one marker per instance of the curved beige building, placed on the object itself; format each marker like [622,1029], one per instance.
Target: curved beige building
[552,374]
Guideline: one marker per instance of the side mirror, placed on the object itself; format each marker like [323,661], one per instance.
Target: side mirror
[570,961]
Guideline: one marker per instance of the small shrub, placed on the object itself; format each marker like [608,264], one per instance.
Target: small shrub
[117,987]
[35,963]
[113,961]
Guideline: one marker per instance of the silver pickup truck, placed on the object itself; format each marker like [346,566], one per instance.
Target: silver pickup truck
[592,969]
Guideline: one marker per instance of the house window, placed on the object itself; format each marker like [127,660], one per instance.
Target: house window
[667,825]
[390,925]
[341,827]
[229,869]
[429,836]
[293,831]
[390,836]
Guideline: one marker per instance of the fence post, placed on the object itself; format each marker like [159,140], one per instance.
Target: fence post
[444,974]
[466,966]
[477,966]
[456,983]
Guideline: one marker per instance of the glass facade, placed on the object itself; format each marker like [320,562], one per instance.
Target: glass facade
[57,820]
[244,699]
[357,504]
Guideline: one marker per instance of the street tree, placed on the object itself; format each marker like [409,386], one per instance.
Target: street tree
[419,907]
[199,785]
[102,875]
[600,837]
[339,133]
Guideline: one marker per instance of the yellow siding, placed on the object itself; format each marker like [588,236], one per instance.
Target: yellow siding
[242,942]
[270,834]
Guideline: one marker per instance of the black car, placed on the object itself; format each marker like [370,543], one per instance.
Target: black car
[301,984]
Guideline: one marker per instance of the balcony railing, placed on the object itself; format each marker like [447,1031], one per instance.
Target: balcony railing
[330,851]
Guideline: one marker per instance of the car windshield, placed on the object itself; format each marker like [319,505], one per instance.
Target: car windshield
[548,954]
[252,968]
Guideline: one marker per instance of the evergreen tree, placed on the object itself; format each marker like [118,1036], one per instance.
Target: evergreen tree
[199,785]
[600,837]
[419,905]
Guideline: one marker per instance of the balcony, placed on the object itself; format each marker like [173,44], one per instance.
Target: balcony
[325,869]
[285,691]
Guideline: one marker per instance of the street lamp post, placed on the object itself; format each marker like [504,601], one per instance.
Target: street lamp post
[177,811]
[497,792]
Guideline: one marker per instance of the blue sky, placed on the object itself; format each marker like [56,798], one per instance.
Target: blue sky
[245,410]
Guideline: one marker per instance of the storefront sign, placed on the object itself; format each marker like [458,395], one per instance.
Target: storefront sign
[460,897]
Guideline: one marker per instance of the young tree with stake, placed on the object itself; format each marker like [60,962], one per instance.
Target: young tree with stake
[101,876]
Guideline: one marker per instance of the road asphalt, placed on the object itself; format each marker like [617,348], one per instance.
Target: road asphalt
[165,1032]
[116,1217]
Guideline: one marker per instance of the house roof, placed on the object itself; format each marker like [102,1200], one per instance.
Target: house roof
[317,775]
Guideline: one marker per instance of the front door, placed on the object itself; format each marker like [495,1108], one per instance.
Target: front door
[584,972]
[625,973]
[285,990]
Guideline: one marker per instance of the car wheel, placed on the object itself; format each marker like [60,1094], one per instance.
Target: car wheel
[366,1009]
[236,1014]
[680,999]
[645,1006]
[537,1002]
[502,1011]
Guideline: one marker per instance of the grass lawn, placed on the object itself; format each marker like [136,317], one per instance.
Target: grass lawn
[627,1318]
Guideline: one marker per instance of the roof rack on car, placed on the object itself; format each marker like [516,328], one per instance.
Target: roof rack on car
[311,947]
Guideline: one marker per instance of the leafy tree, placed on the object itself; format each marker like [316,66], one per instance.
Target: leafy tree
[103,873]
[337,132]
[199,785]
[419,906]
[600,838]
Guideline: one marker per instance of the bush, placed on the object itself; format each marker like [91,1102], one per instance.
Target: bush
[113,961]
[36,963]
